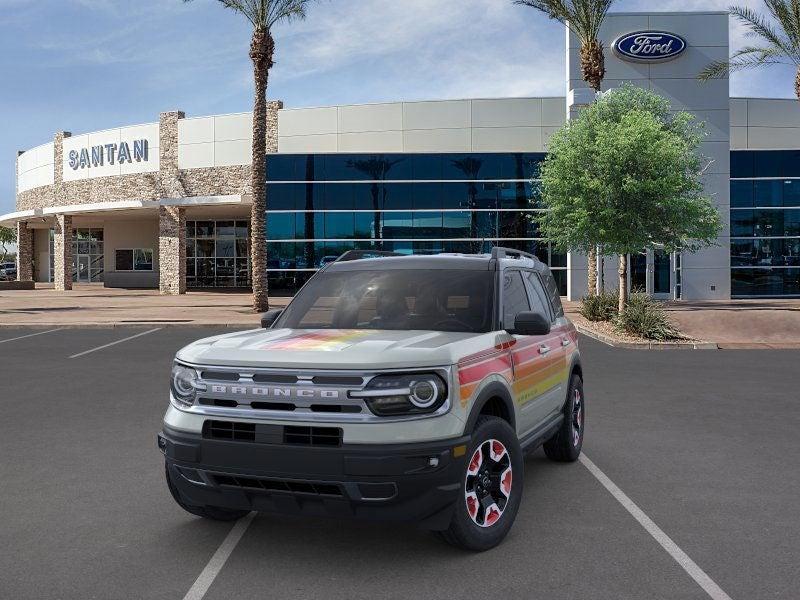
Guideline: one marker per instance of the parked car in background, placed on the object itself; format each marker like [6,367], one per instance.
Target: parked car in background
[8,271]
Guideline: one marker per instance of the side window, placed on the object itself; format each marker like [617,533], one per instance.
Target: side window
[555,296]
[515,299]
[538,297]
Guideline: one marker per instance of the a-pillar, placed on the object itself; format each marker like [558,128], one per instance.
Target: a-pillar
[171,250]
[62,253]
[24,252]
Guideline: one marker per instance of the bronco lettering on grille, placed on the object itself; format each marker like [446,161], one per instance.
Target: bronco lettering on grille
[276,392]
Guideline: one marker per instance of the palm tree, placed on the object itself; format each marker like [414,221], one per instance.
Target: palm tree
[780,41]
[584,19]
[376,168]
[263,15]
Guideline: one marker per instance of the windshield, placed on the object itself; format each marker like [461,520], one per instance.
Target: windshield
[437,300]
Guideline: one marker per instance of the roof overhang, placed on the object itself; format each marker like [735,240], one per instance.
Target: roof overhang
[11,219]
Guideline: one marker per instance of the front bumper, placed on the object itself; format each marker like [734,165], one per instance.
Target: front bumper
[415,482]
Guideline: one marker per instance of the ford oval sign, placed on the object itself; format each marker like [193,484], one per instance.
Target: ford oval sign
[649,46]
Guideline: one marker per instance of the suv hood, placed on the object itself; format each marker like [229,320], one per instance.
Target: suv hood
[327,349]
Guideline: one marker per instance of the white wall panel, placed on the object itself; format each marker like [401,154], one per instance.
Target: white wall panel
[709,29]
[233,127]
[766,138]
[371,141]
[370,117]
[308,121]
[195,156]
[739,138]
[196,131]
[437,140]
[507,139]
[738,112]
[233,152]
[299,144]
[554,111]
[444,114]
[773,113]
[508,112]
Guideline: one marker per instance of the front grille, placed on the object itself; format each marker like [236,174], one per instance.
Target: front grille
[279,485]
[230,430]
[312,436]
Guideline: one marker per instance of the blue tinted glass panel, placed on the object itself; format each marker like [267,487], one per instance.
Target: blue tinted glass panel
[280,226]
[397,196]
[339,196]
[791,222]
[742,164]
[791,192]
[790,165]
[281,167]
[365,225]
[426,166]
[427,225]
[742,223]
[282,196]
[398,225]
[485,224]
[457,224]
[455,195]
[426,195]
[765,282]
[768,163]
[768,193]
[741,194]
[515,195]
[339,225]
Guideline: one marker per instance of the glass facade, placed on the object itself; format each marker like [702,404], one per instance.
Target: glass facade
[321,205]
[88,262]
[765,223]
[217,254]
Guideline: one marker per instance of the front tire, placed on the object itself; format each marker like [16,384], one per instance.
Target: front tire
[491,490]
[566,444]
[215,513]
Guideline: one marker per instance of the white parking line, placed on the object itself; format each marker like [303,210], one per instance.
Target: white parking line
[115,343]
[22,337]
[214,566]
[688,565]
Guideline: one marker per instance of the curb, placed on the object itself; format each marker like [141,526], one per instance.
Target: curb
[645,345]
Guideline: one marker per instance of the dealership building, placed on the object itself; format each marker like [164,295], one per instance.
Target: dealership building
[167,204]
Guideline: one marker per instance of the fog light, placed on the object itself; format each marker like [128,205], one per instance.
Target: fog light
[162,443]
[433,462]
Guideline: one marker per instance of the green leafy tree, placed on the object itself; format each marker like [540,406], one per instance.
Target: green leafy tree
[626,174]
[584,19]
[8,236]
[263,15]
[778,40]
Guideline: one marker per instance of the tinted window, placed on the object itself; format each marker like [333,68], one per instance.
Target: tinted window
[438,300]
[538,298]
[515,299]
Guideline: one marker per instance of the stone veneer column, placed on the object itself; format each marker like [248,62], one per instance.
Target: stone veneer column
[273,106]
[171,250]
[24,252]
[171,219]
[62,249]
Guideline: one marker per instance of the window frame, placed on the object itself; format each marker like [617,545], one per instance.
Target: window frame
[502,295]
[544,297]
[133,260]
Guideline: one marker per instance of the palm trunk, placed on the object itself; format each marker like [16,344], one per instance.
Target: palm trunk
[623,282]
[797,84]
[592,271]
[261,51]
[593,67]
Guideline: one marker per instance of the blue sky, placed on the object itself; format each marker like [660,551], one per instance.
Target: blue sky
[84,65]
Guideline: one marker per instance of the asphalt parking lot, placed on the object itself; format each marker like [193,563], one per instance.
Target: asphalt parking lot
[703,442]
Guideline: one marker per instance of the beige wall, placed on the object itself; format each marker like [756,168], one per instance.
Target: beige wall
[41,254]
[138,233]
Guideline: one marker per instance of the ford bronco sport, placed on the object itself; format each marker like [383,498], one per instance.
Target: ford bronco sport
[391,387]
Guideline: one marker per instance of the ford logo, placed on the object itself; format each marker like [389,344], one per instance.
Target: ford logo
[649,46]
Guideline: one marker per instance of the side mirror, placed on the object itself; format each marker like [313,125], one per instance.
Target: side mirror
[531,323]
[269,317]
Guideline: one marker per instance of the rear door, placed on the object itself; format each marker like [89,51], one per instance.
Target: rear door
[551,371]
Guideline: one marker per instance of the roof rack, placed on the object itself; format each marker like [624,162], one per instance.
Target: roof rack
[500,252]
[359,254]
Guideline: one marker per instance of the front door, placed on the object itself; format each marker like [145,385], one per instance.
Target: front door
[83,268]
[650,272]
[662,271]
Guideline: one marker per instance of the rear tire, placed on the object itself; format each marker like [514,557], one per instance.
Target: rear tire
[215,513]
[566,444]
[490,497]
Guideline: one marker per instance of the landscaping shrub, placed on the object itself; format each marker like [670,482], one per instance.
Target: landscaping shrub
[645,318]
[601,307]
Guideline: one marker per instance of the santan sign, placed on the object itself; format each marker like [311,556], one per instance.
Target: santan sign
[649,46]
[97,156]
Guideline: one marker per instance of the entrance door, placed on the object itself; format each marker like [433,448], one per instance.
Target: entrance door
[650,272]
[662,270]
[83,268]
[638,270]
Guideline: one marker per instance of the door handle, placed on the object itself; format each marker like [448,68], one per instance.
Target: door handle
[544,349]
[566,342]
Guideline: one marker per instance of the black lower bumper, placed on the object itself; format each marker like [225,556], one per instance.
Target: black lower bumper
[400,482]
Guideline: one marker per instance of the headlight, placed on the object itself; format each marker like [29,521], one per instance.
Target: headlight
[184,384]
[406,394]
